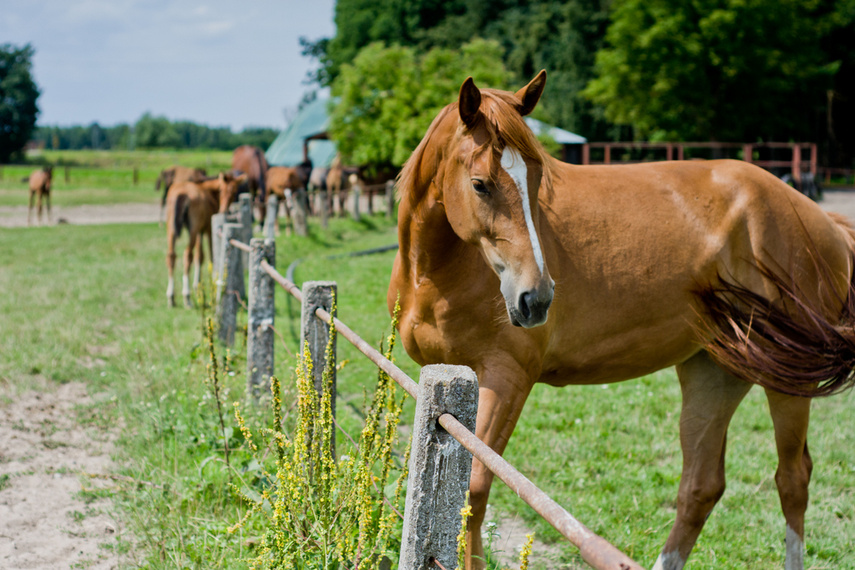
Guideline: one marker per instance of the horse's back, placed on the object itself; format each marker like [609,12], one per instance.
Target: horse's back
[629,245]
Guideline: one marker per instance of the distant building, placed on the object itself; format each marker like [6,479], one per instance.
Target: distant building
[306,136]
[571,143]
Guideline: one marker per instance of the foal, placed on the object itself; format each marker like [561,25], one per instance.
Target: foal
[191,205]
[40,181]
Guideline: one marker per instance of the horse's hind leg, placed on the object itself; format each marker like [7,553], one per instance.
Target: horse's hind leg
[30,208]
[790,417]
[188,255]
[170,266]
[710,397]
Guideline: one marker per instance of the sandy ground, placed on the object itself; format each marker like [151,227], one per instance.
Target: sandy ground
[16,216]
[44,522]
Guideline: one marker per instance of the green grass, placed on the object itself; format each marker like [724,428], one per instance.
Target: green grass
[608,454]
[103,177]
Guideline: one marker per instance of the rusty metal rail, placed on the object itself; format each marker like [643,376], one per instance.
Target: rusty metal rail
[594,549]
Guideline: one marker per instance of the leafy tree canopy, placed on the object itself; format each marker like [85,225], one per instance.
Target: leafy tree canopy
[715,69]
[560,36]
[387,98]
[18,99]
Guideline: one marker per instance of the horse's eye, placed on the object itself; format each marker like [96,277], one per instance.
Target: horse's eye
[480,187]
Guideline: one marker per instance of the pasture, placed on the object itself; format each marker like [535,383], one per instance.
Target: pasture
[88,303]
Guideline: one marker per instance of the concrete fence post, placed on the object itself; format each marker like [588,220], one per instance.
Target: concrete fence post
[439,468]
[315,332]
[390,198]
[230,296]
[357,190]
[324,207]
[300,213]
[271,218]
[245,219]
[259,353]
[217,223]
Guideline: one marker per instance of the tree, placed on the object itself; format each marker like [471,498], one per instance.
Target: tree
[714,69]
[561,36]
[388,96]
[18,99]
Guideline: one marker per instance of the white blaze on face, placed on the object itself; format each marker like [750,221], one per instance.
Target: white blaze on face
[514,165]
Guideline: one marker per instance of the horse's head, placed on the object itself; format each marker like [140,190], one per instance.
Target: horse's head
[488,178]
[229,184]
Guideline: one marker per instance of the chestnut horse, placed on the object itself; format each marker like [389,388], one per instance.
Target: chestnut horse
[281,182]
[191,205]
[40,181]
[250,160]
[173,174]
[530,270]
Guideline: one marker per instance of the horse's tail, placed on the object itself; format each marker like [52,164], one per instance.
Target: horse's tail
[798,346]
[180,218]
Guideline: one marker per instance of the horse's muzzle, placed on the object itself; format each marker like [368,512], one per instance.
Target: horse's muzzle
[531,308]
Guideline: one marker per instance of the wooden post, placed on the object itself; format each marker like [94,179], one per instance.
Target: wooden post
[390,198]
[439,468]
[748,152]
[300,214]
[607,154]
[357,190]
[217,223]
[586,153]
[259,349]
[813,159]
[228,306]
[369,208]
[315,332]
[271,218]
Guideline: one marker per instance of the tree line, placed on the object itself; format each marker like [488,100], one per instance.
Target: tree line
[723,70]
[149,132]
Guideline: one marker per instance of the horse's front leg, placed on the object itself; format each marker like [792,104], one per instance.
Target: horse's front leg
[502,393]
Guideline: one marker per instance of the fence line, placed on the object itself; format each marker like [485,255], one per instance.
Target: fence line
[436,408]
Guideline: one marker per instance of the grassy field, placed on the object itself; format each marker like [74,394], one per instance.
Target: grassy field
[88,303]
[102,177]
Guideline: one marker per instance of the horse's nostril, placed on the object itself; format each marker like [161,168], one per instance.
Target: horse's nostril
[525,308]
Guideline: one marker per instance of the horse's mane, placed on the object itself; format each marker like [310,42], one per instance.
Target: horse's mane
[504,125]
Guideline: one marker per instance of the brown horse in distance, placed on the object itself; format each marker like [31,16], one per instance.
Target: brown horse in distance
[282,182]
[173,174]
[527,269]
[40,181]
[338,183]
[250,160]
[191,205]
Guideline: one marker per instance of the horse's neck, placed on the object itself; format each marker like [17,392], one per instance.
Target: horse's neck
[211,189]
[426,238]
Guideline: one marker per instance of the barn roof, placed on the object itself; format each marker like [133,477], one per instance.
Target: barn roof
[560,135]
[310,123]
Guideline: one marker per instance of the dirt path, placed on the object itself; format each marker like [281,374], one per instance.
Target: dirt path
[45,521]
[16,216]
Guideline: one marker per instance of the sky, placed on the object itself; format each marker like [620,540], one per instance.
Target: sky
[234,63]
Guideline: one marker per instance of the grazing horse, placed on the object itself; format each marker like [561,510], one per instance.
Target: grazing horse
[339,183]
[174,174]
[250,160]
[282,181]
[40,181]
[191,205]
[530,270]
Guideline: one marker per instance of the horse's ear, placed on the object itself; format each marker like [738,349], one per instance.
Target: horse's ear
[469,102]
[530,94]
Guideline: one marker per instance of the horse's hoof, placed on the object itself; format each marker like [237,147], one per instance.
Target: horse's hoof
[170,302]
[187,303]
